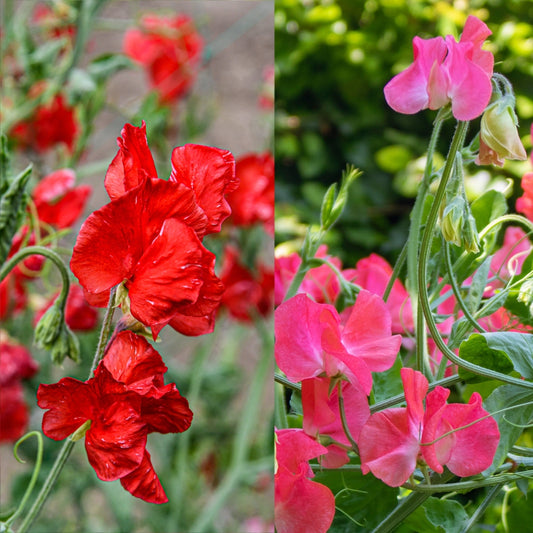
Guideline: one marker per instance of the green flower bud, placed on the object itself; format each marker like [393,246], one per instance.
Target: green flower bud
[470,235]
[66,345]
[452,221]
[499,138]
[49,327]
[525,294]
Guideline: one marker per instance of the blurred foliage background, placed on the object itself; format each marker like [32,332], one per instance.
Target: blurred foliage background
[333,58]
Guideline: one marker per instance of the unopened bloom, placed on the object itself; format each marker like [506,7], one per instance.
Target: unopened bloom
[310,341]
[300,505]
[170,50]
[460,436]
[445,71]
[115,410]
[498,138]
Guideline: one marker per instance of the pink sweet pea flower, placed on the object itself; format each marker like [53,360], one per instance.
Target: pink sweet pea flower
[300,505]
[310,340]
[321,416]
[373,274]
[394,440]
[446,71]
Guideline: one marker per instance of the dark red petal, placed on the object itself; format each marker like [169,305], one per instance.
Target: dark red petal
[143,482]
[210,173]
[132,164]
[192,325]
[71,403]
[13,412]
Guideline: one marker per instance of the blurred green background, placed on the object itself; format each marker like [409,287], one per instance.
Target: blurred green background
[333,58]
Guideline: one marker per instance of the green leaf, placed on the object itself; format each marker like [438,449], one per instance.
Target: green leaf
[80,83]
[387,383]
[477,350]
[5,164]
[362,502]
[48,52]
[518,346]
[477,288]
[508,421]
[436,516]
[106,65]
[488,207]
[12,210]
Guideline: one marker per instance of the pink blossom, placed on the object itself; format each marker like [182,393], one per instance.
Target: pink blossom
[310,340]
[320,283]
[394,440]
[373,274]
[300,505]
[321,416]
[446,71]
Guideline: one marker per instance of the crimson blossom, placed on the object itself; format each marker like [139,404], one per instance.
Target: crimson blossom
[300,505]
[446,71]
[58,201]
[170,50]
[16,364]
[311,342]
[148,239]
[253,201]
[116,409]
[461,436]
[52,123]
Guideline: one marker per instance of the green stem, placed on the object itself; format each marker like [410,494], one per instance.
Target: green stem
[494,491]
[427,237]
[396,271]
[34,476]
[49,254]
[104,331]
[456,290]
[68,443]
[413,245]
[343,419]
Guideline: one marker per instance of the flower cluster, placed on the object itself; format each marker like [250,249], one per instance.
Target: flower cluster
[16,364]
[116,409]
[170,49]
[446,71]
[148,239]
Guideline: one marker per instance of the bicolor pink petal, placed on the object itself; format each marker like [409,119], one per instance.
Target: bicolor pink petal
[388,447]
[475,446]
[407,92]
[300,325]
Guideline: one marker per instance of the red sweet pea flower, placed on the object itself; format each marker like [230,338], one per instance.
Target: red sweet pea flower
[310,341]
[524,204]
[446,71]
[170,50]
[245,291]
[253,201]
[207,171]
[148,240]
[321,416]
[393,440]
[16,363]
[53,123]
[124,401]
[373,274]
[58,202]
[300,505]
[320,283]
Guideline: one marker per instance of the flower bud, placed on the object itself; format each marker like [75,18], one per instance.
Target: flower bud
[470,235]
[452,221]
[499,138]
[49,327]
[66,345]
[525,294]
